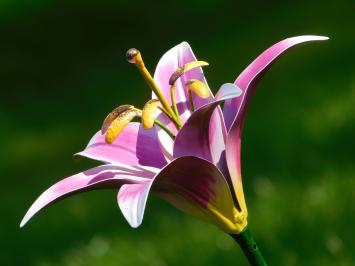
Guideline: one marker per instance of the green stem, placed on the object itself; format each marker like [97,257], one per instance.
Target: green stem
[165,128]
[155,88]
[167,114]
[173,102]
[249,247]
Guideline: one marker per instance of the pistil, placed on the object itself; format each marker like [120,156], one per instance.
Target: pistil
[134,57]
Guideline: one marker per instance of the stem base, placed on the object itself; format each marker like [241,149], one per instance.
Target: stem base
[249,247]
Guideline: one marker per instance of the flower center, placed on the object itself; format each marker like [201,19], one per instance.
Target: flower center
[121,116]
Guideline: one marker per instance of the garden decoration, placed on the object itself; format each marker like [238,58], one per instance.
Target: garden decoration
[185,148]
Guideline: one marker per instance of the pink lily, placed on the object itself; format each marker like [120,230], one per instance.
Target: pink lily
[199,172]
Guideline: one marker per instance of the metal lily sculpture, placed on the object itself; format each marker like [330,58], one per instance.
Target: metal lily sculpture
[185,149]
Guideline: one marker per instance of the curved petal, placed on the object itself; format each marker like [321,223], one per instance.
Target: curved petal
[204,133]
[198,188]
[252,74]
[187,55]
[134,146]
[173,59]
[235,109]
[132,199]
[191,184]
[106,176]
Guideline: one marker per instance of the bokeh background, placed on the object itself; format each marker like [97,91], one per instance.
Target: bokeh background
[62,69]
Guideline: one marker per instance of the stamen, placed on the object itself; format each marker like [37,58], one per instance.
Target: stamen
[191,99]
[198,87]
[165,128]
[176,75]
[148,113]
[194,64]
[156,121]
[113,115]
[134,57]
[119,124]
[185,68]
[173,102]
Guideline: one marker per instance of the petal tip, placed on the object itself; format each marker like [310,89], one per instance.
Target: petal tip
[311,38]
[185,43]
[228,91]
[24,221]
[319,38]
[78,154]
[133,222]
[135,225]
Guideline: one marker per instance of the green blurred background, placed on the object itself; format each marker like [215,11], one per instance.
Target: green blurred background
[63,69]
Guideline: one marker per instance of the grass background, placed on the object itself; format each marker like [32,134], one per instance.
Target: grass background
[62,68]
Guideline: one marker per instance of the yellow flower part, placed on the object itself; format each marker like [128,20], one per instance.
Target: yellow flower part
[148,113]
[119,124]
[199,88]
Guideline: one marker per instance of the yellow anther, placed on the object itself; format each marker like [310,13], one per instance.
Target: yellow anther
[148,113]
[194,64]
[176,75]
[119,124]
[113,115]
[187,67]
[198,87]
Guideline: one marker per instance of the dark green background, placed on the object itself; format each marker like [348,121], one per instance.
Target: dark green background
[62,69]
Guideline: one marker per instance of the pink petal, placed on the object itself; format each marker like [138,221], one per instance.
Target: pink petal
[253,73]
[198,188]
[132,199]
[187,55]
[134,146]
[204,133]
[191,184]
[106,176]
[170,61]
[235,109]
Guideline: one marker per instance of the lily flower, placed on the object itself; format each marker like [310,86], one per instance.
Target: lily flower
[186,150]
